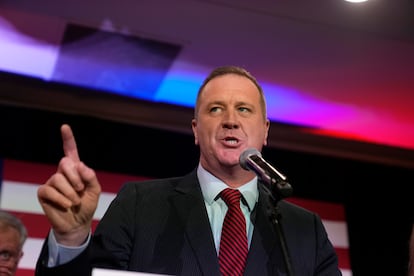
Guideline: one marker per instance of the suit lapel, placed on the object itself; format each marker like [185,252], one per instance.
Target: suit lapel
[192,212]
[263,244]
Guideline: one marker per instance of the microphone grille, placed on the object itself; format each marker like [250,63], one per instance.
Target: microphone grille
[245,155]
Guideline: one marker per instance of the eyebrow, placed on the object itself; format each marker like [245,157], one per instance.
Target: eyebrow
[238,103]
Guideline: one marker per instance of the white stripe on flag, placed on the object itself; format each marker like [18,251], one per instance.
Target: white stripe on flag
[31,251]
[22,197]
[337,232]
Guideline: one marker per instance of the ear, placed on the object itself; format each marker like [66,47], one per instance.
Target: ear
[194,128]
[267,127]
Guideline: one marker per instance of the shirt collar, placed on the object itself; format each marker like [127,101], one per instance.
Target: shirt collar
[211,186]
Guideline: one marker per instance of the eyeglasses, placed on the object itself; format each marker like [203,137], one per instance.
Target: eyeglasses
[7,255]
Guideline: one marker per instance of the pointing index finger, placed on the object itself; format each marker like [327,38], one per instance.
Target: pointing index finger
[69,143]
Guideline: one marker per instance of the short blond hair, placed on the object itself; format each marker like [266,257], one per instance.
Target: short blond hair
[231,69]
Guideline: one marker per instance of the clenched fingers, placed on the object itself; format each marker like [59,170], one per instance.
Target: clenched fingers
[59,192]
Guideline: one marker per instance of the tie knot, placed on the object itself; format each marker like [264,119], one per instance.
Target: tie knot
[231,197]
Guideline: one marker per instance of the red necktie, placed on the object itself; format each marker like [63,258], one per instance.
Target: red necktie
[233,244]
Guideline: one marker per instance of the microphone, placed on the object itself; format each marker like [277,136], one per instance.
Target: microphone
[251,159]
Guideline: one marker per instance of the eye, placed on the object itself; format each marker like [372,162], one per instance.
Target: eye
[244,109]
[215,109]
[5,255]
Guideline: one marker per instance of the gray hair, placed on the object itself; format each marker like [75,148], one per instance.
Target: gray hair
[9,220]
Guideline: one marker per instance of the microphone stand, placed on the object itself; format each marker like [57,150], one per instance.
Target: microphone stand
[276,190]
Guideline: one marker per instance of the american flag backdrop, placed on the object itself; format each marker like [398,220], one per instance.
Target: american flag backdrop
[18,195]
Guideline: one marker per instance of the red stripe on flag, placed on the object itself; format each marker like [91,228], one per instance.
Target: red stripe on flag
[37,173]
[112,182]
[94,224]
[326,210]
[24,272]
[27,172]
[37,225]
[343,257]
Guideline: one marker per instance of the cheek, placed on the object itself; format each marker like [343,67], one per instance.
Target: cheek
[260,135]
[203,131]
[10,265]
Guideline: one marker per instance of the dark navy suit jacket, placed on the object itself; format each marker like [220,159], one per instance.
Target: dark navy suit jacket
[161,226]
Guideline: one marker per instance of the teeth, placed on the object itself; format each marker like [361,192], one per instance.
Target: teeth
[231,141]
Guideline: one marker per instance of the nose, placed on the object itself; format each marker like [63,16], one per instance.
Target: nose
[230,121]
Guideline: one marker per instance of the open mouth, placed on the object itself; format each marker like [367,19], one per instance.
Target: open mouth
[231,141]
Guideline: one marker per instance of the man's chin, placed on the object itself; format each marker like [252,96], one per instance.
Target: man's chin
[231,156]
[230,163]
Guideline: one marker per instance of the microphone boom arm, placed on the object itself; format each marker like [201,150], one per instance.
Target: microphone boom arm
[276,187]
[276,181]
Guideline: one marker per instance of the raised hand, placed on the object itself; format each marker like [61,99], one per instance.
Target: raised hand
[70,196]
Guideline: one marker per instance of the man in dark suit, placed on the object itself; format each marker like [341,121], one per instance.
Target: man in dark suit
[174,226]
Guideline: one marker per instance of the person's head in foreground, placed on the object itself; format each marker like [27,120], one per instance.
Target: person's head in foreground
[13,234]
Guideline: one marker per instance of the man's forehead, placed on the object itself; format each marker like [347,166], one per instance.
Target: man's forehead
[9,232]
[222,87]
